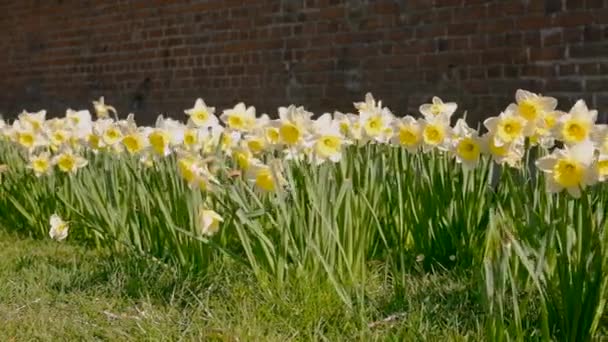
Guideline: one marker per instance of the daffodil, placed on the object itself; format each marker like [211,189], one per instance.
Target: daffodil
[510,154]
[569,168]
[160,140]
[508,127]
[59,228]
[437,108]
[467,146]
[533,107]
[201,115]
[69,162]
[436,133]
[102,109]
[264,177]
[41,164]
[577,125]
[241,117]
[208,222]
[33,121]
[328,140]
[408,133]
[135,142]
[294,125]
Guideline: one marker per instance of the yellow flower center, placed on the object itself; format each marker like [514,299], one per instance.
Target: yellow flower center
[40,165]
[344,127]
[373,126]
[199,117]
[575,131]
[528,109]
[133,143]
[190,137]
[242,159]
[509,129]
[328,145]
[111,136]
[93,141]
[550,120]
[290,133]
[264,180]
[567,173]
[408,136]
[66,162]
[433,134]
[159,141]
[256,145]
[273,135]
[26,139]
[436,109]
[186,170]
[468,149]
[58,137]
[236,122]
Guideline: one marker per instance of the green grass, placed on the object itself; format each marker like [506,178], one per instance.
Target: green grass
[55,291]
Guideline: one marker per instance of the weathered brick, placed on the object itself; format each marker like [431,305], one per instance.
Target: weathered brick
[322,53]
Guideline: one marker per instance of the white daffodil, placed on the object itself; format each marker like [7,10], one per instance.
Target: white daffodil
[240,118]
[59,228]
[569,168]
[327,141]
[41,164]
[532,107]
[102,109]
[69,162]
[436,133]
[577,125]
[209,222]
[508,127]
[201,115]
[408,133]
[438,108]
[467,147]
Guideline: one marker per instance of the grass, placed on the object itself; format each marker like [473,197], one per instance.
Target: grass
[55,291]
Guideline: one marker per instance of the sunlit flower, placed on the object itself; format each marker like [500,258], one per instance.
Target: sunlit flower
[467,146]
[32,121]
[202,115]
[510,154]
[41,164]
[240,117]
[69,162]
[102,109]
[294,125]
[577,125]
[265,177]
[59,228]
[438,108]
[135,142]
[508,127]
[327,140]
[159,140]
[436,133]
[408,133]
[531,106]
[569,168]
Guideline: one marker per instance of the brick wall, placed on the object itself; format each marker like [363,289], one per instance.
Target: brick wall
[154,56]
